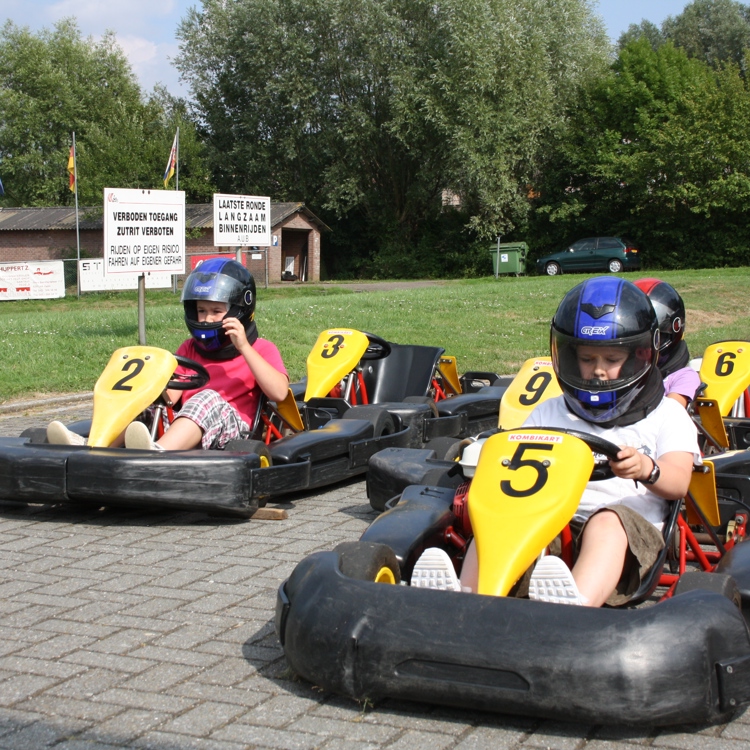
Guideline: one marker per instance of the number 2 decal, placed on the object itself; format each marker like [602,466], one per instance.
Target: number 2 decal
[535,388]
[332,350]
[136,365]
[519,461]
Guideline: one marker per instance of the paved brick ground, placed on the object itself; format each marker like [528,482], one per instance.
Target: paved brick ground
[155,630]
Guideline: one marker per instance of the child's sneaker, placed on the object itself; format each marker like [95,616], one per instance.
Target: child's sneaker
[553,582]
[138,436]
[434,570]
[59,434]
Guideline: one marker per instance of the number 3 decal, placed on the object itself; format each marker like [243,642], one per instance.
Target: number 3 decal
[519,461]
[332,350]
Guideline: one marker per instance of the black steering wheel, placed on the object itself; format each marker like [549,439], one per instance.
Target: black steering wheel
[597,445]
[377,348]
[188,381]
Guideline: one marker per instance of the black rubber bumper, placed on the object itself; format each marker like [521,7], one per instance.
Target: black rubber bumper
[686,660]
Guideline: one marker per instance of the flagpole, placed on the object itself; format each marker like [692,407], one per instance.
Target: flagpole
[177,162]
[78,235]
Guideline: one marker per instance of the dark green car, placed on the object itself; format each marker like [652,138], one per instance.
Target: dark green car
[612,254]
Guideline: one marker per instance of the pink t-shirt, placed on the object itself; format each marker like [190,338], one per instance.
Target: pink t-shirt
[232,379]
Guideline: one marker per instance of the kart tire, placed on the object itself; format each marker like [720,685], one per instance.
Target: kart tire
[251,446]
[446,448]
[719,583]
[368,561]
[381,421]
[424,400]
[36,435]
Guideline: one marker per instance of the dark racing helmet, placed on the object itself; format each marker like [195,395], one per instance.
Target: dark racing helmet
[670,312]
[608,312]
[219,280]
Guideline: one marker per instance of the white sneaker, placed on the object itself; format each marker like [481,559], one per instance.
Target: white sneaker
[434,570]
[553,582]
[138,436]
[59,434]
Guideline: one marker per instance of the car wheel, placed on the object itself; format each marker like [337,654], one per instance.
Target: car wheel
[552,269]
[381,421]
[251,446]
[615,266]
[368,561]
[719,583]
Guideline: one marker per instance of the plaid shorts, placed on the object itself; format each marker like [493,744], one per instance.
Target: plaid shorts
[218,419]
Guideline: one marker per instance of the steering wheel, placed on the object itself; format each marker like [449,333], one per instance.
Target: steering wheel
[189,381]
[597,445]
[377,348]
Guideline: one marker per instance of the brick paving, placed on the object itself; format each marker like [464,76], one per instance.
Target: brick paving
[125,629]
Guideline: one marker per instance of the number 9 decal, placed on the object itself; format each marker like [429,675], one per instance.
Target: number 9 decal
[535,388]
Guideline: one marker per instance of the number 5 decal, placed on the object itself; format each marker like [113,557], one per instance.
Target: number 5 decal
[518,461]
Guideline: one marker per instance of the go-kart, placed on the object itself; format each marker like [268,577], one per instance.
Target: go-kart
[683,659]
[295,445]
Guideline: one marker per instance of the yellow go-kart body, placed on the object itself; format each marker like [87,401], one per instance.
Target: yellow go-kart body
[132,380]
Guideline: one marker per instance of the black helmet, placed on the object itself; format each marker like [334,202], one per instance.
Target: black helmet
[670,312]
[219,280]
[612,313]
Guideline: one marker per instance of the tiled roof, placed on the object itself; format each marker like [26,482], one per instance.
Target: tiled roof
[197,216]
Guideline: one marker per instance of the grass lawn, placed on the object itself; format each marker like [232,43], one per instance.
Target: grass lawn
[61,346]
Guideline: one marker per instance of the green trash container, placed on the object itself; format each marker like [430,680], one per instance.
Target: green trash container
[509,257]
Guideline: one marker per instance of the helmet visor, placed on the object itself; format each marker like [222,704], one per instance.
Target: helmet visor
[216,287]
[602,366]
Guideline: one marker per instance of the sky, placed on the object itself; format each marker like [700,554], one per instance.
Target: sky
[146,29]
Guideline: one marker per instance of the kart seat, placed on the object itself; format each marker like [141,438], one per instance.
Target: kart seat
[406,371]
[330,441]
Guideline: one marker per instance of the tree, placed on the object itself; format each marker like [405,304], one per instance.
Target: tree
[658,151]
[714,31]
[370,110]
[55,83]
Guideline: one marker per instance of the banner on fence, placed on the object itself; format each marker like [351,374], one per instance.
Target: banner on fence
[32,280]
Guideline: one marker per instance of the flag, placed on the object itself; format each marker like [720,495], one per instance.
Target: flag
[2,189]
[72,170]
[172,163]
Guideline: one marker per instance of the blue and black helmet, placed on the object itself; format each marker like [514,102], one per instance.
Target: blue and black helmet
[608,311]
[219,280]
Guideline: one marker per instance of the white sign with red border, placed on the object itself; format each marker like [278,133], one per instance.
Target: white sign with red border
[92,278]
[144,231]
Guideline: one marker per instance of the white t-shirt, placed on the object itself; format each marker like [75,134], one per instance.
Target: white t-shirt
[668,428]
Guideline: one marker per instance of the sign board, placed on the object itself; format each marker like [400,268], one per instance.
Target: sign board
[92,278]
[32,280]
[144,230]
[196,260]
[241,220]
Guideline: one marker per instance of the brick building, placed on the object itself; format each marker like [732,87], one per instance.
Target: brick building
[34,234]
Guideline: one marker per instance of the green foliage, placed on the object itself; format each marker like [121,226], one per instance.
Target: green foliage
[55,83]
[368,110]
[658,151]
